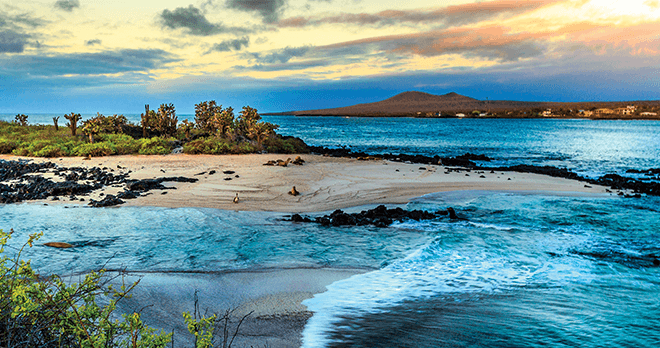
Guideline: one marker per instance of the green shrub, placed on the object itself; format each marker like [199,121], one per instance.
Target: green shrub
[210,146]
[94,150]
[285,145]
[154,146]
[122,143]
[7,146]
[37,311]
[51,151]
[244,147]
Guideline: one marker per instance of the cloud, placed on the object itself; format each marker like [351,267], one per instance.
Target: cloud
[270,10]
[229,45]
[285,66]
[449,16]
[191,18]
[282,55]
[12,42]
[109,62]
[67,5]
[19,21]
[92,42]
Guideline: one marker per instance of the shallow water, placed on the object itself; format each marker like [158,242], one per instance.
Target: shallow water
[523,270]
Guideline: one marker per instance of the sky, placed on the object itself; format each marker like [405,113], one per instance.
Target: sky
[60,56]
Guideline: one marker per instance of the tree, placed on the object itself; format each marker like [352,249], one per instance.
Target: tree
[21,119]
[55,119]
[223,121]
[73,122]
[186,126]
[92,127]
[166,120]
[204,113]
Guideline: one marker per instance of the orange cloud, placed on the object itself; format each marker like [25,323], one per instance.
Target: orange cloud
[451,15]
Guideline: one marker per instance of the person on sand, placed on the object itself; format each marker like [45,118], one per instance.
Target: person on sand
[236,198]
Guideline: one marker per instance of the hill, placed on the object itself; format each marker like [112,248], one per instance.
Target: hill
[413,103]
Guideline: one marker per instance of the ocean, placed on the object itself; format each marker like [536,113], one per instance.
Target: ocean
[522,270]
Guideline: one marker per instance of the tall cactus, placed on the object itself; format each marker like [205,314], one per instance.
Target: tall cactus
[73,122]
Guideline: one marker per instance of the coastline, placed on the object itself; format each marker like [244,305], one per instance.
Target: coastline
[324,183]
[272,298]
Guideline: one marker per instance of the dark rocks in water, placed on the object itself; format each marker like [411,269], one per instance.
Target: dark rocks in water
[212,172]
[452,213]
[474,157]
[107,201]
[379,217]
[228,172]
[656,262]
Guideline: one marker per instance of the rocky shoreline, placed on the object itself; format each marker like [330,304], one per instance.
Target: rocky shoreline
[24,181]
[466,163]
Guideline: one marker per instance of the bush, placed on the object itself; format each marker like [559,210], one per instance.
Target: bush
[285,145]
[210,146]
[40,311]
[123,144]
[94,150]
[7,146]
[154,146]
[51,151]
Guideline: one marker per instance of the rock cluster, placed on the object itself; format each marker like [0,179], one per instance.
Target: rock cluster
[379,217]
[465,160]
[23,181]
[614,181]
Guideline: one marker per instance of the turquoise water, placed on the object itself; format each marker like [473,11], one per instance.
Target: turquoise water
[524,270]
[591,148]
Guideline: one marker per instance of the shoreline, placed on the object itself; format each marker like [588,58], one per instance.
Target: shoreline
[272,298]
[325,183]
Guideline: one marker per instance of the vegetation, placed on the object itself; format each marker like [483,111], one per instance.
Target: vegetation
[215,130]
[40,311]
[37,311]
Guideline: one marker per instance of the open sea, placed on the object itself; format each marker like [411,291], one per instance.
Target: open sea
[523,270]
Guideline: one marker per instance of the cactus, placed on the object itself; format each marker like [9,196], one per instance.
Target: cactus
[73,122]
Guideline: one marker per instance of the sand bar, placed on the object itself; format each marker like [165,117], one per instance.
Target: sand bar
[325,183]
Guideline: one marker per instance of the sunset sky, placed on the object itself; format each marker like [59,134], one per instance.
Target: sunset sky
[277,55]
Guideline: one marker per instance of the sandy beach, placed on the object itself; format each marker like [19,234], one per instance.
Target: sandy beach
[274,296]
[324,183]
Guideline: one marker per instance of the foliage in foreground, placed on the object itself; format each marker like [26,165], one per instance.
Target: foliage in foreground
[47,312]
[38,311]
[216,130]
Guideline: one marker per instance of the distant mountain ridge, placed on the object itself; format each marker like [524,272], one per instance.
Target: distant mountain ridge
[408,103]
[414,103]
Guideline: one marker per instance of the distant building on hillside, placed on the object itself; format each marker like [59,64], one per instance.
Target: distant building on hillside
[604,111]
[585,113]
[546,113]
[628,110]
[460,115]
[647,113]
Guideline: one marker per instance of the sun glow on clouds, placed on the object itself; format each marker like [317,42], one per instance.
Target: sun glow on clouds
[316,40]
